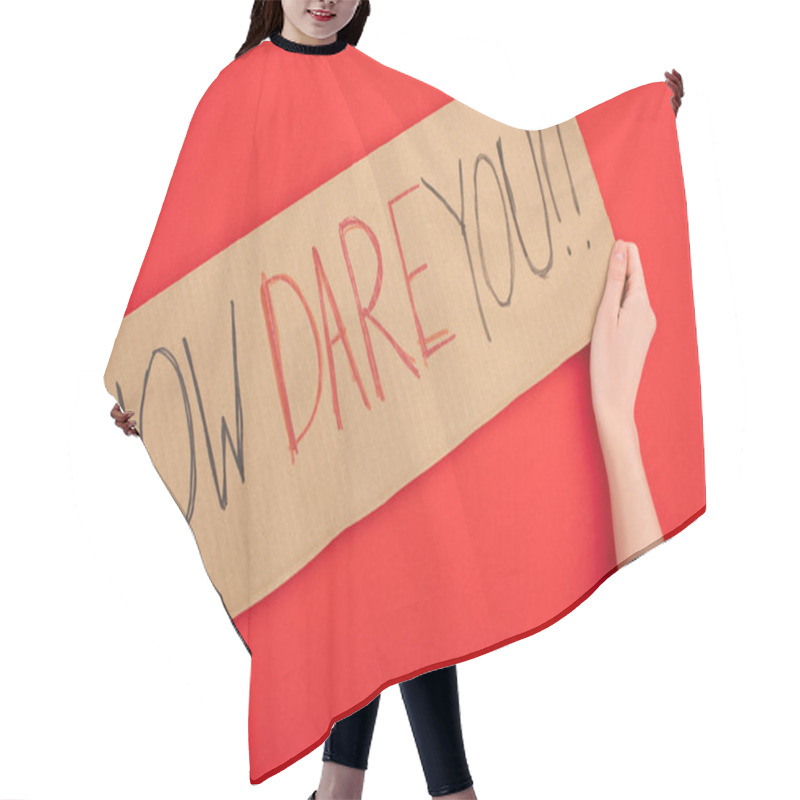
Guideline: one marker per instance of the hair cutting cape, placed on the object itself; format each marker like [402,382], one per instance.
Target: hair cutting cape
[358,351]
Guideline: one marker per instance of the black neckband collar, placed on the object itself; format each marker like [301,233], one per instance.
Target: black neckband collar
[309,49]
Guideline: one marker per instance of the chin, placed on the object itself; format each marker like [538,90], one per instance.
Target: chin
[309,31]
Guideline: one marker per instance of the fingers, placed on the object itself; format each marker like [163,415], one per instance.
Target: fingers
[675,82]
[635,273]
[615,280]
[625,282]
[636,298]
[123,420]
[119,414]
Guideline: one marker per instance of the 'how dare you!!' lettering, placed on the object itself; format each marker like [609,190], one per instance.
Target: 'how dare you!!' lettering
[292,383]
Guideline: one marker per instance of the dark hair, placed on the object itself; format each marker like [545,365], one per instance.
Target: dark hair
[266,18]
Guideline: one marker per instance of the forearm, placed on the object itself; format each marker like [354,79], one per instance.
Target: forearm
[636,525]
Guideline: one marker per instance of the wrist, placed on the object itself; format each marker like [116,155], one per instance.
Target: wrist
[617,432]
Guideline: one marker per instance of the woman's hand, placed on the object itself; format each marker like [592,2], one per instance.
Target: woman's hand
[675,82]
[122,419]
[623,329]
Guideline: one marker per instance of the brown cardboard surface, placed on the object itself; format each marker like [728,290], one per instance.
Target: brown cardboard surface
[460,320]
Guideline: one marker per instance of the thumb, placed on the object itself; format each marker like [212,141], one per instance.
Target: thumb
[615,279]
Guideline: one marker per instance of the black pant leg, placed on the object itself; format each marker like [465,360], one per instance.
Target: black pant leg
[350,738]
[433,710]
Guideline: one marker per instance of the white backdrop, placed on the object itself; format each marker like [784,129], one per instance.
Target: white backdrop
[677,678]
